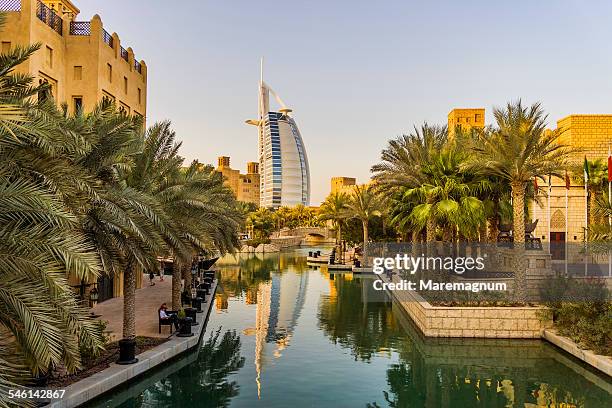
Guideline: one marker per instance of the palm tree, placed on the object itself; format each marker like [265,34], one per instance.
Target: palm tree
[448,195]
[41,323]
[335,209]
[262,221]
[597,180]
[403,161]
[202,213]
[519,150]
[364,205]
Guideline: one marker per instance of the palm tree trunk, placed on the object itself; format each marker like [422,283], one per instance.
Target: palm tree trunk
[176,285]
[187,276]
[518,211]
[365,241]
[339,242]
[493,229]
[520,266]
[129,302]
[431,230]
[483,233]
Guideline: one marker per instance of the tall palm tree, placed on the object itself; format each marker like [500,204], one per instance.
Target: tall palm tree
[402,163]
[519,149]
[335,209]
[597,181]
[124,224]
[202,213]
[41,323]
[448,195]
[364,204]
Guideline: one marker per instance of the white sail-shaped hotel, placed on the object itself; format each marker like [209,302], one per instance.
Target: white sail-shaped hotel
[283,164]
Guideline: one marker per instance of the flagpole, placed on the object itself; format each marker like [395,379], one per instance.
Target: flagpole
[548,211]
[586,214]
[610,205]
[566,222]
[567,187]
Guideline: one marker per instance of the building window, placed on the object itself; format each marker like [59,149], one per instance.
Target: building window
[49,57]
[78,72]
[477,117]
[125,85]
[468,120]
[77,103]
[139,96]
[6,47]
[109,71]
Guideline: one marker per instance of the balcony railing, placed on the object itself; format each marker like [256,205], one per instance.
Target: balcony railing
[10,5]
[138,66]
[48,16]
[107,38]
[124,54]
[80,28]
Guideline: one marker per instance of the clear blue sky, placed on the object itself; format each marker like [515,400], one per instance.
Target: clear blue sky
[357,73]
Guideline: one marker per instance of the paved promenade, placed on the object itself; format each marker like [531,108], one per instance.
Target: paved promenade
[99,383]
[148,300]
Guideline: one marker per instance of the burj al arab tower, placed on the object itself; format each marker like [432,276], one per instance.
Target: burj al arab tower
[283,164]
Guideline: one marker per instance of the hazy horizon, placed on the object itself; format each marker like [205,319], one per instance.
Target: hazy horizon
[357,74]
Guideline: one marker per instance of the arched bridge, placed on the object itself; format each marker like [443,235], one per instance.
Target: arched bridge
[307,232]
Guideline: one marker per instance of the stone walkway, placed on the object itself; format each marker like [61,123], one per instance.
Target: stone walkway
[148,300]
[101,382]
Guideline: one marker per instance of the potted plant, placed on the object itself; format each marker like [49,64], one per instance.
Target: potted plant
[184,324]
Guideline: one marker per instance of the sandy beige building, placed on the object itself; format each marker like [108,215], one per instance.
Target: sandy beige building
[343,185]
[590,136]
[465,118]
[245,186]
[82,62]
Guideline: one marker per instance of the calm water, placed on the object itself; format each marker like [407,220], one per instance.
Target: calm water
[285,335]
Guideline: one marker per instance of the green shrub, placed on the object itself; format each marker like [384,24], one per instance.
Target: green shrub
[582,311]
[256,242]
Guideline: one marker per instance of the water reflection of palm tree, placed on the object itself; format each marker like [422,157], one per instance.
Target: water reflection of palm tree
[363,327]
[206,380]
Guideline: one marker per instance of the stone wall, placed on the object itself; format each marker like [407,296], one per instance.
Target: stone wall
[484,322]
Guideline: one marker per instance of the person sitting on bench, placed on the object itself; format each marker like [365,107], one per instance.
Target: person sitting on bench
[166,316]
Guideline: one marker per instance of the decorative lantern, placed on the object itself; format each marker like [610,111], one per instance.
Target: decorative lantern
[93,296]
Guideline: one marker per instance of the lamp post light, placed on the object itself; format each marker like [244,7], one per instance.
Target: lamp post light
[93,296]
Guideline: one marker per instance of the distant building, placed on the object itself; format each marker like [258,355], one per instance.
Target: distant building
[343,185]
[285,175]
[244,186]
[81,61]
[465,119]
[590,136]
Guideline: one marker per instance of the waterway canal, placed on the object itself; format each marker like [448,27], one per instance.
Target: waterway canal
[283,334]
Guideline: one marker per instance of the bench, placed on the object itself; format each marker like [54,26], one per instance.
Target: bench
[165,322]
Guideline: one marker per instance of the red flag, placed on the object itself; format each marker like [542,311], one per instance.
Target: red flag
[609,167]
[567,180]
[536,188]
